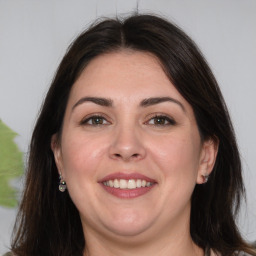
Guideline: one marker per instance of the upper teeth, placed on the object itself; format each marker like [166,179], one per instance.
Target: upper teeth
[127,184]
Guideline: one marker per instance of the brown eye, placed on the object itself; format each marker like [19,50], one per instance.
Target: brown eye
[161,121]
[95,121]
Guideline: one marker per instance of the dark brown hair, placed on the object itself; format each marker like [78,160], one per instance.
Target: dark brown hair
[48,223]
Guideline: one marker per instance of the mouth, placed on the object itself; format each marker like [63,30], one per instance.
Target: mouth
[127,186]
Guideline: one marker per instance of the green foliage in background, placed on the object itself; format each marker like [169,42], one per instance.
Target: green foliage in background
[11,165]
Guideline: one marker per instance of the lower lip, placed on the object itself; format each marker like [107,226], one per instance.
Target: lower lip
[127,193]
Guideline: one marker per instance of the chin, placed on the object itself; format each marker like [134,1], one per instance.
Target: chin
[131,230]
[129,224]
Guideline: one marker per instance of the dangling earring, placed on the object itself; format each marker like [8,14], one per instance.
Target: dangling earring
[206,177]
[62,185]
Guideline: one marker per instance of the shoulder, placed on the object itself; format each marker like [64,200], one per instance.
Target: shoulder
[8,254]
[235,254]
[242,254]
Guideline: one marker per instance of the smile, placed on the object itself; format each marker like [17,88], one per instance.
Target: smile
[127,184]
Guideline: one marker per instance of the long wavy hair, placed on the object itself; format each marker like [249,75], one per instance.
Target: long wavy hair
[48,222]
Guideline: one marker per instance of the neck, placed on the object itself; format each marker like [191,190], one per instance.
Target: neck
[177,249]
[161,244]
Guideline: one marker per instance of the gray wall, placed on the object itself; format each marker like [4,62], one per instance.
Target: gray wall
[35,34]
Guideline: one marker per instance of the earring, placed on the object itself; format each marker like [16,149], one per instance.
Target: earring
[206,177]
[62,185]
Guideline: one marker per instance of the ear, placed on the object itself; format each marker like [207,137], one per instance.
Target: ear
[207,159]
[56,149]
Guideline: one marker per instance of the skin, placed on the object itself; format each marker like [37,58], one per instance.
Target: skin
[130,139]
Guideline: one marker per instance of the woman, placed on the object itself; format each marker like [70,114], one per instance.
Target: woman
[133,152]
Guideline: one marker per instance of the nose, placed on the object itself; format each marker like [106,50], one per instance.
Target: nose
[127,145]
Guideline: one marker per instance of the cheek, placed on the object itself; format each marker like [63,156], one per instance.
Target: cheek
[82,158]
[82,154]
[177,156]
[177,159]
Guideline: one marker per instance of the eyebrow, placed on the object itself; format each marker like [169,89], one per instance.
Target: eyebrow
[157,100]
[144,103]
[99,101]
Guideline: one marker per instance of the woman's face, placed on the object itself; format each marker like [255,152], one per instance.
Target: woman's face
[130,150]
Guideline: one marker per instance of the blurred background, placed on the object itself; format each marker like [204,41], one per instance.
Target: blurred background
[34,36]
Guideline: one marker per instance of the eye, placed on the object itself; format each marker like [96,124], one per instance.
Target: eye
[95,121]
[161,120]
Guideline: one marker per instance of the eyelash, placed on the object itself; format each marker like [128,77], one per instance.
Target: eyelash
[103,121]
[94,117]
[167,120]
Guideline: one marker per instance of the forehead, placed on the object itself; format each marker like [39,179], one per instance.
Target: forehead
[126,72]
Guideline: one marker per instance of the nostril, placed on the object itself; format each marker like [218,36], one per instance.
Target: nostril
[134,156]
